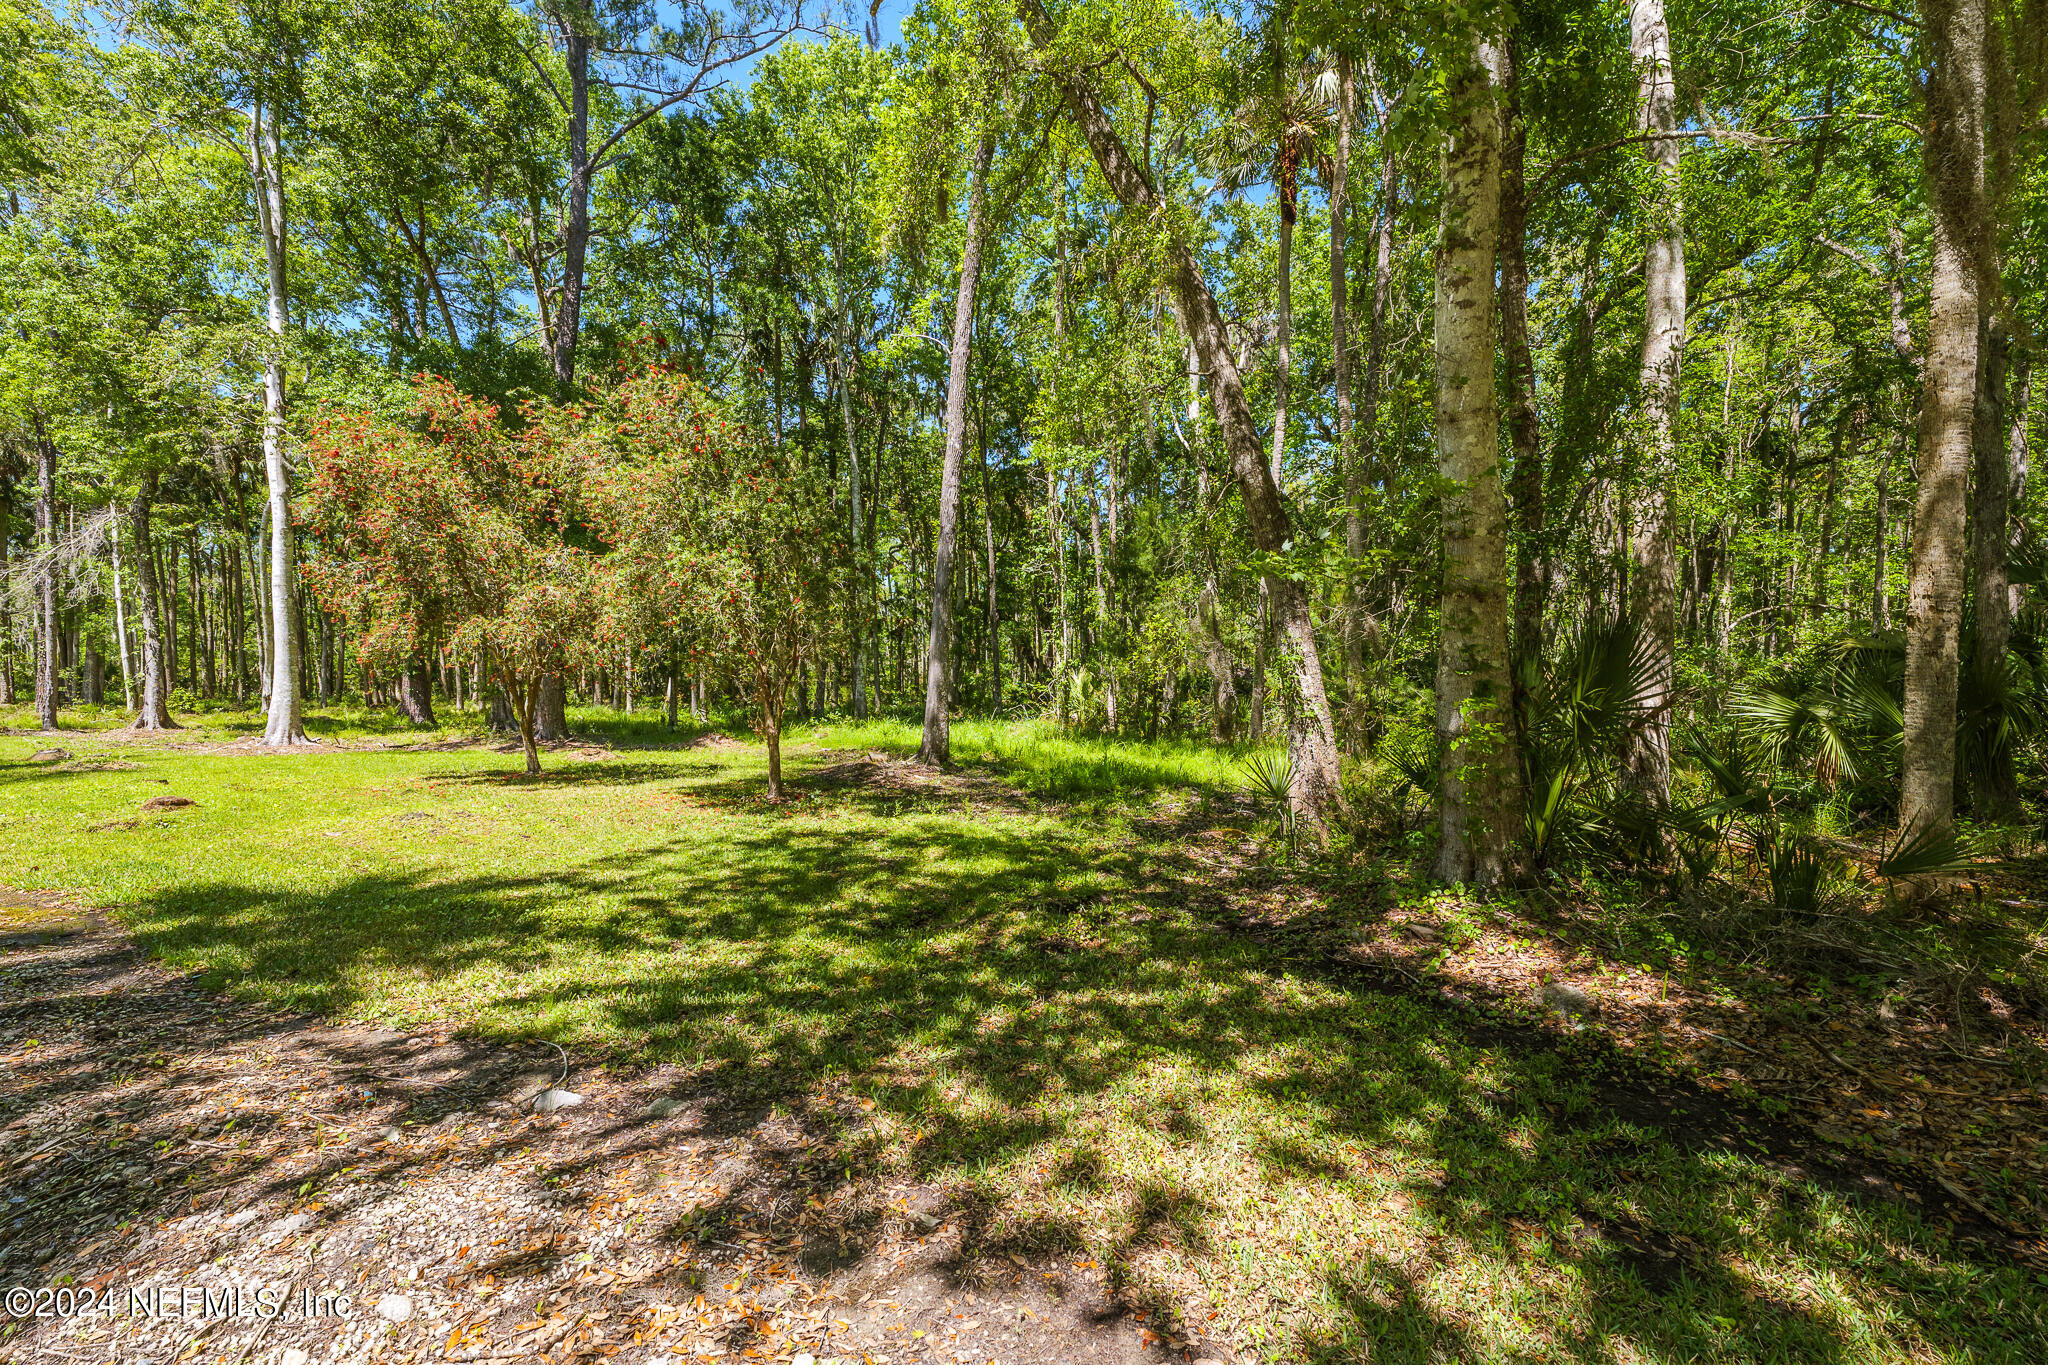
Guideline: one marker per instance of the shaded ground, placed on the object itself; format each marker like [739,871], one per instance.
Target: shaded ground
[1103,1041]
[158,1137]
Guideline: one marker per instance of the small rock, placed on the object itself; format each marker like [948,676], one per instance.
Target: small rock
[803,1358]
[1567,1000]
[395,1307]
[294,1356]
[285,1227]
[239,1220]
[1423,931]
[549,1100]
[168,802]
[49,756]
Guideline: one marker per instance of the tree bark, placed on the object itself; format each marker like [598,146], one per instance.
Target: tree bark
[2017,458]
[1478,785]
[524,695]
[1348,465]
[1365,440]
[46,581]
[988,537]
[153,713]
[1880,593]
[1525,479]
[1283,277]
[936,746]
[415,694]
[1317,793]
[6,611]
[282,724]
[576,221]
[551,715]
[1654,544]
[860,563]
[1954,151]
[1995,785]
[120,626]
[1283,319]
[771,730]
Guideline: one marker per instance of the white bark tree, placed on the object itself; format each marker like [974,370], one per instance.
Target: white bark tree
[1479,781]
[1954,151]
[1653,580]
[936,746]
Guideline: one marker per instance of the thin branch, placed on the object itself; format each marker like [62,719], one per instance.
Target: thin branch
[1881,12]
[542,72]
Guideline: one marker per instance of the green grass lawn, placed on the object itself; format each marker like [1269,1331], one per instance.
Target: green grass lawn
[1045,1022]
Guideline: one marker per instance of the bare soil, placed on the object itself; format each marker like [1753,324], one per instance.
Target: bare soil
[154,1136]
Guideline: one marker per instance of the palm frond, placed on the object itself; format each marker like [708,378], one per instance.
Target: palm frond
[1929,851]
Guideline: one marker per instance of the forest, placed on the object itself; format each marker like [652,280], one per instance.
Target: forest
[1563,464]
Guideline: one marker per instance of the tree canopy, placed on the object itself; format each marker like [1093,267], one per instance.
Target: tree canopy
[1548,403]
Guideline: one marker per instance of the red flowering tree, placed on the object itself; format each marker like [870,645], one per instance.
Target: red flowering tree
[452,528]
[718,540]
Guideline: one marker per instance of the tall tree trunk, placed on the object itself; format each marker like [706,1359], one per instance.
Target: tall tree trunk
[154,714]
[1283,320]
[6,598]
[415,694]
[936,746]
[860,563]
[1996,790]
[1365,440]
[1209,605]
[120,626]
[46,581]
[1317,792]
[282,725]
[1349,465]
[1654,544]
[550,709]
[1216,658]
[550,718]
[1578,432]
[1103,631]
[2017,457]
[1478,785]
[1283,276]
[576,220]
[1880,594]
[988,537]
[769,699]
[1954,151]
[524,694]
[1525,479]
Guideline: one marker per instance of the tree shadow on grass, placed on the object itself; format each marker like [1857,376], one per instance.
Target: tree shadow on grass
[562,773]
[1046,1031]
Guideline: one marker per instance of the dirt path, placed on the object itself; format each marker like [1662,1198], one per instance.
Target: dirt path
[156,1140]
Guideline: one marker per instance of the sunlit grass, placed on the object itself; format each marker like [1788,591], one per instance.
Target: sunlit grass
[1041,757]
[1040,1016]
